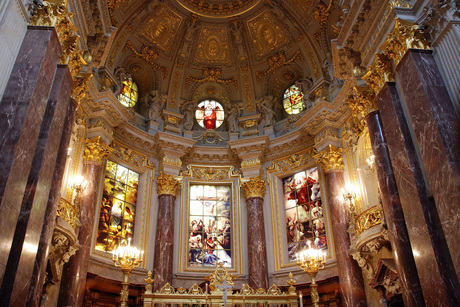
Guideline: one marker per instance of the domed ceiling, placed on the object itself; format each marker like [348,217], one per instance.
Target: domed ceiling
[240,50]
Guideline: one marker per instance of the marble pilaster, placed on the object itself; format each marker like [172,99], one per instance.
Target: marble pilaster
[397,230]
[351,279]
[21,113]
[167,186]
[254,191]
[38,277]
[72,289]
[429,245]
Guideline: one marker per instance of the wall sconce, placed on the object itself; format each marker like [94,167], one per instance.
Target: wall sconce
[349,196]
[78,185]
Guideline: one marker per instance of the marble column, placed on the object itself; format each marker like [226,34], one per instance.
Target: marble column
[38,277]
[397,230]
[254,191]
[73,282]
[429,246]
[350,276]
[21,114]
[167,187]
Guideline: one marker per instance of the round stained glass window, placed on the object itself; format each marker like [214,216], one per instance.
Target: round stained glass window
[210,114]
[128,94]
[293,100]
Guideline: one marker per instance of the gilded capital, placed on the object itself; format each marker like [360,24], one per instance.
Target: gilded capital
[331,159]
[167,184]
[255,187]
[96,151]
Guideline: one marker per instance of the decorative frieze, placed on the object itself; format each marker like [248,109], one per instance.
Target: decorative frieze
[210,173]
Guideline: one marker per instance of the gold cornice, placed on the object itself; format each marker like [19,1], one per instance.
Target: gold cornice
[331,159]
[255,187]
[167,184]
[96,151]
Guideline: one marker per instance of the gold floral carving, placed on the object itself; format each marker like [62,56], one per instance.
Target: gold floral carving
[96,151]
[172,160]
[296,160]
[250,162]
[149,55]
[266,34]
[210,173]
[379,73]
[406,35]
[211,74]
[167,184]
[213,46]
[112,5]
[369,218]
[130,156]
[161,28]
[255,187]
[68,212]
[331,159]
[276,61]
[220,277]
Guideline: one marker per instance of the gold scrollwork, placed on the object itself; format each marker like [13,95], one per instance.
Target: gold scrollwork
[96,151]
[255,187]
[211,75]
[379,73]
[331,159]
[68,212]
[369,218]
[149,55]
[276,61]
[167,184]
[130,156]
[294,161]
[250,162]
[211,173]
[171,160]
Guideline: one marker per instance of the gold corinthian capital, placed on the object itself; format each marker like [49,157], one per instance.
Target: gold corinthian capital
[167,184]
[331,159]
[255,187]
[96,151]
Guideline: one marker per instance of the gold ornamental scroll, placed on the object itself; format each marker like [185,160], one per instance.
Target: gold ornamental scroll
[96,151]
[255,187]
[167,184]
[331,159]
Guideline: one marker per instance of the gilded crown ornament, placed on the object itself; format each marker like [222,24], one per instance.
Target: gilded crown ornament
[96,151]
[167,184]
[331,159]
[255,187]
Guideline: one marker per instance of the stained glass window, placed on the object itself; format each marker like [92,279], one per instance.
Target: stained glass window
[293,100]
[210,114]
[118,207]
[128,94]
[304,212]
[209,226]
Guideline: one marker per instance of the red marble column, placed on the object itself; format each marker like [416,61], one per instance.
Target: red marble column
[431,253]
[167,187]
[21,113]
[436,131]
[38,277]
[351,278]
[253,191]
[397,230]
[73,282]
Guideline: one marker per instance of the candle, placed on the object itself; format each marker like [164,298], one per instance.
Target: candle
[300,299]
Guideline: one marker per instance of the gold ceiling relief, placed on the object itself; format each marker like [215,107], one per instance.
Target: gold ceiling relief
[211,75]
[149,55]
[210,91]
[266,34]
[161,28]
[276,61]
[213,46]
[218,8]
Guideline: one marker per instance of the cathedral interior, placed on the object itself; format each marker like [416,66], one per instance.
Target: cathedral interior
[245,152]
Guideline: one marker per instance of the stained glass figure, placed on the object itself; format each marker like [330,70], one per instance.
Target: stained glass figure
[303,211]
[128,93]
[293,100]
[209,226]
[118,207]
[210,114]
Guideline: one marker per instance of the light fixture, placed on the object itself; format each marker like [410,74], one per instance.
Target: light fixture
[311,261]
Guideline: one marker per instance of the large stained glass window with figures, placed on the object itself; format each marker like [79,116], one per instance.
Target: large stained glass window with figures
[293,100]
[118,207]
[304,212]
[209,226]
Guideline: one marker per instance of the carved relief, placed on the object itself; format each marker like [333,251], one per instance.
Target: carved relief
[130,156]
[212,173]
[149,55]
[213,46]
[162,27]
[96,151]
[296,160]
[331,159]
[167,184]
[255,187]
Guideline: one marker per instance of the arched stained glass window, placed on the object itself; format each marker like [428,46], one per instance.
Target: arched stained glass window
[118,207]
[128,94]
[293,100]
[304,212]
[210,114]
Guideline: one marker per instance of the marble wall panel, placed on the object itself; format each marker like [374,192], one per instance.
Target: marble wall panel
[412,192]
[21,113]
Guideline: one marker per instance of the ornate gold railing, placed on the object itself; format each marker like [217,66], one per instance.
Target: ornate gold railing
[68,212]
[369,218]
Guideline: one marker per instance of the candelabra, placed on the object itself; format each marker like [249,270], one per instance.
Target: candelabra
[311,261]
[78,185]
[126,258]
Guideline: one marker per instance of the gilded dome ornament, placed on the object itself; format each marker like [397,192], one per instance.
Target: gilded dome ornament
[218,8]
[255,187]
